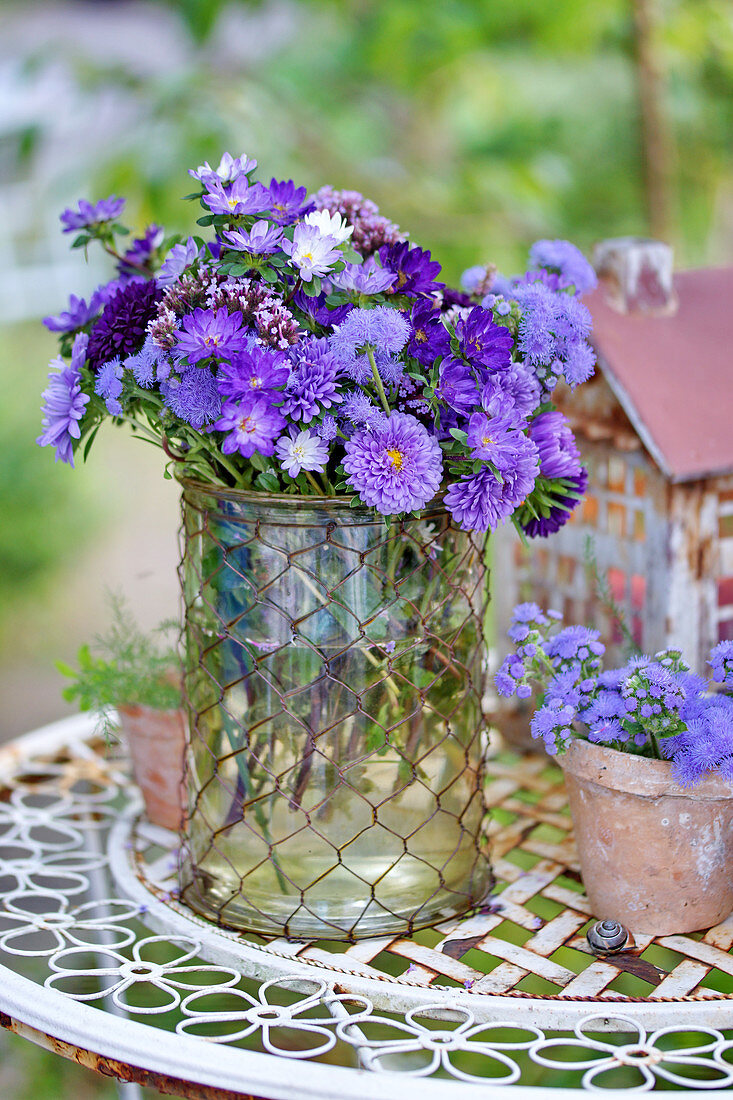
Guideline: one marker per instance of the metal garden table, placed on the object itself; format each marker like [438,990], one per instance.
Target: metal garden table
[100,962]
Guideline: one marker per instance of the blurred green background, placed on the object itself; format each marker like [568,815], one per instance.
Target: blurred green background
[477,126]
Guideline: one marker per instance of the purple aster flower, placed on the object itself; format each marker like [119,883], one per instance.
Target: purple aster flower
[483,341]
[194,397]
[64,403]
[180,257]
[516,386]
[395,468]
[88,215]
[310,252]
[258,370]
[559,454]
[561,511]
[140,252]
[565,260]
[721,662]
[144,364]
[301,451]
[287,202]
[457,385]
[261,240]
[238,198]
[108,384]
[328,428]
[366,278]
[312,385]
[208,332]
[415,270]
[121,329]
[229,169]
[77,315]
[251,424]
[317,312]
[429,338]
[496,440]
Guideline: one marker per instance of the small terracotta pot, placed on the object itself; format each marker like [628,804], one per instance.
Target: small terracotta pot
[157,743]
[654,855]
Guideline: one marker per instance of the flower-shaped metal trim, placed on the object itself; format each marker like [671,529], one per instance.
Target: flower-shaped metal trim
[440,1045]
[642,1053]
[269,1017]
[31,870]
[50,822]
[122,974]
[44,922]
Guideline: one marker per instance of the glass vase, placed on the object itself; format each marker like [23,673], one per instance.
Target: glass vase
[334,678]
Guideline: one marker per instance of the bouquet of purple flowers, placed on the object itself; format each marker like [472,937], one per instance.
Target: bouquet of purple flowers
[653,706]
[309,348]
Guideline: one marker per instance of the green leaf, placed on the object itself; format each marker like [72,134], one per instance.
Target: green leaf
[313,288]
[191,196]
[268,275]
[353,257]
[268,481]
[208,219]
[461,436]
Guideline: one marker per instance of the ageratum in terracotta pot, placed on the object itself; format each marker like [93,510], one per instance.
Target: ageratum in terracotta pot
[347,430]
[647,753]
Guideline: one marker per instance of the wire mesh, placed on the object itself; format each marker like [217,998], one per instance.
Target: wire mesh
[334,678]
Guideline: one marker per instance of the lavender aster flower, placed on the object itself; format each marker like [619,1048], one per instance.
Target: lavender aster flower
[108,384]
[366,278]
[121,329]
[258,370]
[565,260]
[229,169]
[559,454]
[483,341]
[516,386]
[301,451]
[77,315]
[261,240]
[287,202]
[64,403]
[480,502]
[313,384]
[395,468]
[311,253]
[180,257]
[251,425]
[89,215]
[429,338]
[238,198]
[208,332]
[194,397]
[415,270]
[457,385]
[495,440]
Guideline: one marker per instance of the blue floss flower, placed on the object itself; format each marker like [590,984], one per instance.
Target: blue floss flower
[194,397]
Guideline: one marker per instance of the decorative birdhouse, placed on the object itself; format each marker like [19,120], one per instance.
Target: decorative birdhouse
[655,430]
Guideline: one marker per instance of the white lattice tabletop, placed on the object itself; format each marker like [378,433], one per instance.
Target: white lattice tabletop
[101,962]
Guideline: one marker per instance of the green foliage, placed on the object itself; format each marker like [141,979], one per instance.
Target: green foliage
[124,666]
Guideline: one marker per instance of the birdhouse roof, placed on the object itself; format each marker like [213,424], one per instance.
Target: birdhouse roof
[673,376]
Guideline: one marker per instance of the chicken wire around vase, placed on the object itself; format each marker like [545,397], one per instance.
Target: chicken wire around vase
[334,677]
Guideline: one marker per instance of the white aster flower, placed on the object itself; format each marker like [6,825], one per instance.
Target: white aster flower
[303,451]
[309,251]
[330,225]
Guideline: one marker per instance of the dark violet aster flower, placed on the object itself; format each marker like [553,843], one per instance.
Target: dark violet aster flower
[251,424]
[108,384]
[77,315]
[395,468]
[121,329]
[366,278]
[194,397]
[561,512]
[312,386]
[145,364]
[497,440]
[415,270]
[287,202]
[429,338]
[457,385]
[64,403]
[261,240]
[90,214]
[208,332]
[559,454]
[567,261]
[483,341]
[180,257]
[318,312]
[238,198]
[259,370]
[140,251]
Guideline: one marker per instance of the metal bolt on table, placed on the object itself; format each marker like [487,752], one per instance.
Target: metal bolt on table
[101,962]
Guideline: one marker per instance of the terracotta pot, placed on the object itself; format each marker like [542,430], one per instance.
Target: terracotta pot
[656,856]
[157,743]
